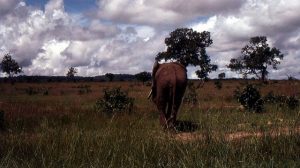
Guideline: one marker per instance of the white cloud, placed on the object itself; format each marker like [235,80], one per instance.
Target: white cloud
[275,19]
[50,61]
[163,13]
[7,6]
[125,35]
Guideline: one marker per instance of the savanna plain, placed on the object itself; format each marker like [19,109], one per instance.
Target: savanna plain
[56,125]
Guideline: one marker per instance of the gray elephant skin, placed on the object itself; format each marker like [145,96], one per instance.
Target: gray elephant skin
[168,87]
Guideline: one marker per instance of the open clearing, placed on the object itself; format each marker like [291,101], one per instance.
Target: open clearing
[56,125]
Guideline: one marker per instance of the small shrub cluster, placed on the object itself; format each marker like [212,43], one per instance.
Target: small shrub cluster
[282,101]
[218,84]
[250,98]
[191,94]
[114,101]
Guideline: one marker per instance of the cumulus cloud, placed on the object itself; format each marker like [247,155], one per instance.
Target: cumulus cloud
[47,42]
[162,13]
[6,6]
[275,19]
[123,36]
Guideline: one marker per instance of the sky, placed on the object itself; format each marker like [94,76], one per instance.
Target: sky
[46,37]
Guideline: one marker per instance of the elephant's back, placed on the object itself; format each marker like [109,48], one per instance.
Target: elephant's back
[170,73]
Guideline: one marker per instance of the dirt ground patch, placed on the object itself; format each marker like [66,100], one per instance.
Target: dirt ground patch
[193,136]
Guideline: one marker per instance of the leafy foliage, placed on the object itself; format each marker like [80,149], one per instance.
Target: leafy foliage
[114,101]
[143,76]
[292,102]
[71,73]
[10,66]
[218,84]
[189,48]
[221,75]
[191,94]
[250,98]
[256,57]
[110,76]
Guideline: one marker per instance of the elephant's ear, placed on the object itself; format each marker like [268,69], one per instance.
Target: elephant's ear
[153,87]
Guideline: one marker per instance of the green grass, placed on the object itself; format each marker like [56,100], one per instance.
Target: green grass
[63,130]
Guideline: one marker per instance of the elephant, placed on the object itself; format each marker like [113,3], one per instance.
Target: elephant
[169,81]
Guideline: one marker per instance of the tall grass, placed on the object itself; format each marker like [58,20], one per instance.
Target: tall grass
[63,130]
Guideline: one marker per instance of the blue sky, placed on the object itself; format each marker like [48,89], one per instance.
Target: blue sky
[74,6]
[124,36]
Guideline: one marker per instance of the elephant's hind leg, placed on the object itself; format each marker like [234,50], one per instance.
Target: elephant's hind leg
[162,106]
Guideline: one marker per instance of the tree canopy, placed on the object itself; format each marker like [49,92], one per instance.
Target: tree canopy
[189,48]
[10,66]
[143,76]
[110,76]
[71,73]
[256,57]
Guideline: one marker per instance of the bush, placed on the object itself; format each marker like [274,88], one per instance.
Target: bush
[282,101]
[292,102]
[218,84]
[250,98]
[191,94]
[114,101]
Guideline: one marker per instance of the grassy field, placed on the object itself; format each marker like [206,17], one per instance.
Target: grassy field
[56,125]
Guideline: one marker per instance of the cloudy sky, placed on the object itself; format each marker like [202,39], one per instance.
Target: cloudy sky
[124,36]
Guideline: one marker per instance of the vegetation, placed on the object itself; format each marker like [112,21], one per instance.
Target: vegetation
[189,48]
[218,84]
[143,76]
[71,72]
[250,98]
[64,130]
[256,57]
[114,101]
[291,102]
[61,124]
[110,76]
[10,66]
[221,75]
[191,96]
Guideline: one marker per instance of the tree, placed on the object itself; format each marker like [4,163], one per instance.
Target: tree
[189,48]
[110,76]
[71,73]
[10,66]
[221,75]
[143,76]
[256,57]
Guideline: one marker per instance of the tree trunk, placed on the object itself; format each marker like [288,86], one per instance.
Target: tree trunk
[264,74]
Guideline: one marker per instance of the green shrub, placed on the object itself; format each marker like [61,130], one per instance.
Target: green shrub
[282,101]
[114,101]
[218,84]
[292,102]
[250,98]
[191,94]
